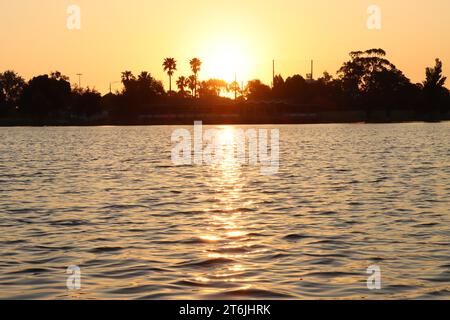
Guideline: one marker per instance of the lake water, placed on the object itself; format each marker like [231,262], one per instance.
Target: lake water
[109,200]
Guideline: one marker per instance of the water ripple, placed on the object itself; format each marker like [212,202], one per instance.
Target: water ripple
[110,201]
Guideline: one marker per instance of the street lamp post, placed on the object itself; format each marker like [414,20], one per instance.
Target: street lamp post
[79,79]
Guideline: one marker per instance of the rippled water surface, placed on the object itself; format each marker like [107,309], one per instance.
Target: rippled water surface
[109,200]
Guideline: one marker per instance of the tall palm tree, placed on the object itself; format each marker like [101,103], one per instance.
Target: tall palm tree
[182,83]
[195,67]
[192,84]
[170,66]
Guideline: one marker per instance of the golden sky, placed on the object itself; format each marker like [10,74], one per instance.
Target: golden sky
[241,36]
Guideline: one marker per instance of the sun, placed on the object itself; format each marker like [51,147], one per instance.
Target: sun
[227,60]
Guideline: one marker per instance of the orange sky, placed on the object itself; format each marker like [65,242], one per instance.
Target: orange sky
[241,36]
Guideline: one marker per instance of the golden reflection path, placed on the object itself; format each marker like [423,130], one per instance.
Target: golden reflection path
[226,229]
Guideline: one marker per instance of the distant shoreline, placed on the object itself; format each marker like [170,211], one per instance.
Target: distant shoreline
[367,88]
[325,117]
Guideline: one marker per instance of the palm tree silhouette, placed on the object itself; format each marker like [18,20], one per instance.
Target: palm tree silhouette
[195,67]
[170,65]
[127,76]
[192,84]
[145,77]
[182,83]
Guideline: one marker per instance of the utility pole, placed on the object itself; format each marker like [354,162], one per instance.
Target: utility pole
[273,73]
[312,69]
[79,79]
[235,86]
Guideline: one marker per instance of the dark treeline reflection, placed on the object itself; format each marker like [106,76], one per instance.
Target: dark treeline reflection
[367,87]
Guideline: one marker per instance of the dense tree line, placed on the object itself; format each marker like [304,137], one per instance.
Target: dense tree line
[367,82]
[46,97]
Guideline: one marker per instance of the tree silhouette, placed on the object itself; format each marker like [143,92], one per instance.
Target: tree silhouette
[212,88]
[296,88]
[195,67]
[182,83]
[144,87]
[234,87]
[47,96]
[86,103]
[170,66]
[256,90]
[2,101]
[436,95]
[278,87]
[192,84]
[357,74]
[56,75]
[326,78]
[11,88]
[127,76]
[138,94]
[434,78]
[370,80]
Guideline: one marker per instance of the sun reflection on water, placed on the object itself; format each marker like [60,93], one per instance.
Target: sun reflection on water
[226,226]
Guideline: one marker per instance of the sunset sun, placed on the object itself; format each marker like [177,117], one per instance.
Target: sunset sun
[227,60]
